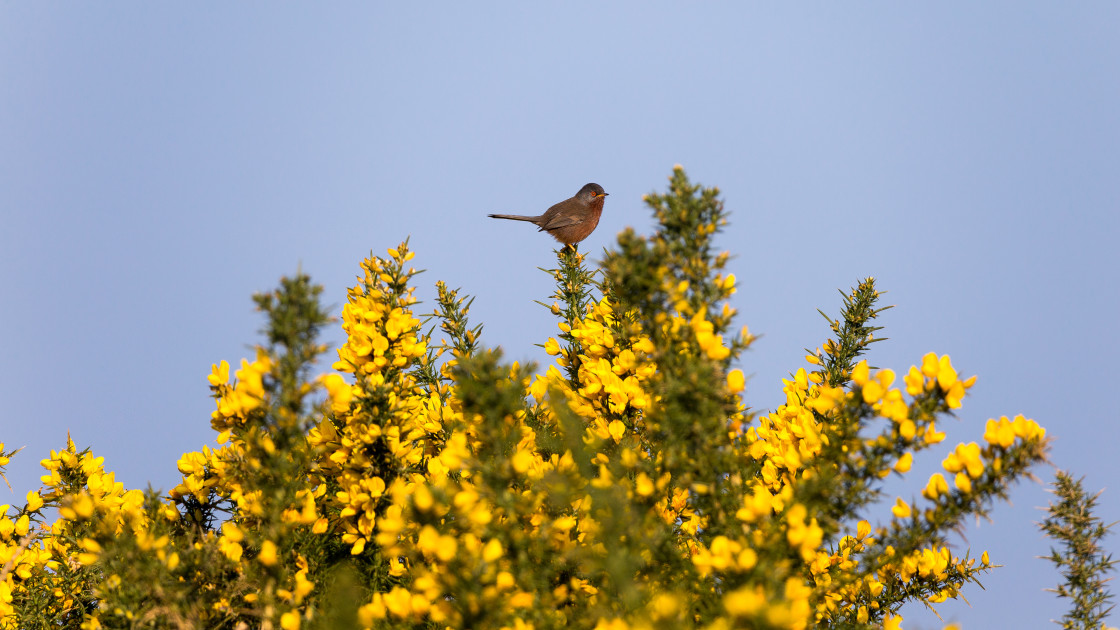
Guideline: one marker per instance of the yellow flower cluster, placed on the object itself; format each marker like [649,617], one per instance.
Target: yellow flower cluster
[724,554]
[468,506]
[752,606]
[210,470]
[969,462]
[711,344]
[1003,432]
[384,411]
[614,371]
[788,438]
[938,372]
[76,484]
[787,441]
[236,401]
[380,328]
[80,485]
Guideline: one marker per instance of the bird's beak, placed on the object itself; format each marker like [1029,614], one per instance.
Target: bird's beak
[601,194]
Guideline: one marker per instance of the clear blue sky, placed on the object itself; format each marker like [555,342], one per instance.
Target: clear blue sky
[161,162]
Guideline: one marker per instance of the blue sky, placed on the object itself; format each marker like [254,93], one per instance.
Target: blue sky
[159,163]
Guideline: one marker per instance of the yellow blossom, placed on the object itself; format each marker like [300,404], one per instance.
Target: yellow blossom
[617,429]
[935,487]
[963,482]
[552,347]
[735,381]
[914,381]
[75,507]
[901,509]
[863,530]
[861,373]
[339,391]
[904,463]
[267,556]
[34,499]
[290,620]
[398,601]
[745,602]
[219,374]
[492,551]
[946,375]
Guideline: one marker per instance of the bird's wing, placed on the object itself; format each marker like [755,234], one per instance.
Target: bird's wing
[560,222]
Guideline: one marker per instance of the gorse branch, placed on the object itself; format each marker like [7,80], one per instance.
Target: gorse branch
[1080,558]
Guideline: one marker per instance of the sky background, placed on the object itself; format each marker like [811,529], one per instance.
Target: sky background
[159,163]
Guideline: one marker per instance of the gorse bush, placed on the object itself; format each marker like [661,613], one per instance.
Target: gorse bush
[426,482]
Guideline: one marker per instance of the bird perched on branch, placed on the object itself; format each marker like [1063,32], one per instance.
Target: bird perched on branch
[571,220]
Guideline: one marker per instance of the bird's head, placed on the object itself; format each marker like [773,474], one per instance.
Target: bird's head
[591,192]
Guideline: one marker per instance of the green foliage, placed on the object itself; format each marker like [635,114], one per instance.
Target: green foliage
[1081,558]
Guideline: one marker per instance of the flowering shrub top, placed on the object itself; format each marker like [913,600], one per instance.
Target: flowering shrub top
[426,483]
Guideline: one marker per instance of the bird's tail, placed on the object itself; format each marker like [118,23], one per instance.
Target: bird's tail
[514,217]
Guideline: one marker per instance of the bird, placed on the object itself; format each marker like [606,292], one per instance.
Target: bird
[571,220]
